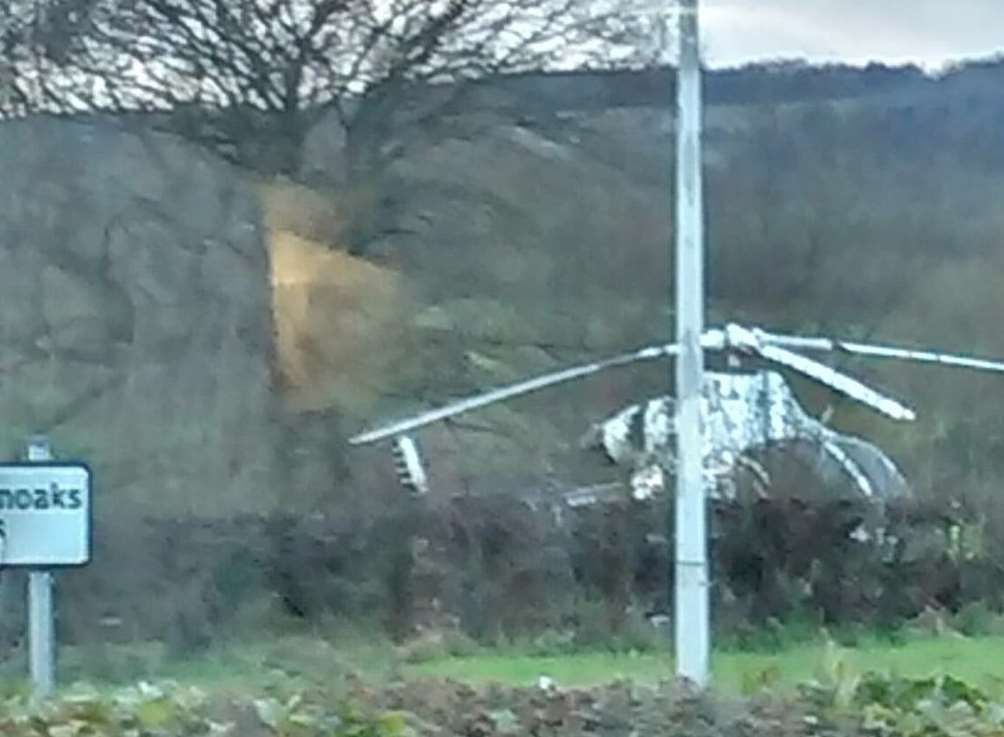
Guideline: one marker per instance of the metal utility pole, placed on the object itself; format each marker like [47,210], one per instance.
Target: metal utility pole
[691,617]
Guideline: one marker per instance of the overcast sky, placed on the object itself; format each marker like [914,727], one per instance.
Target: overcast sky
[926,32]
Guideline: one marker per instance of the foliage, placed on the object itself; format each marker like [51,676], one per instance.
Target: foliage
[883,705]
[445,578]
[149,710]
[871,704]
[171,710]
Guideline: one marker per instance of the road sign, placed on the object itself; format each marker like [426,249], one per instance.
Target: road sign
[45,514]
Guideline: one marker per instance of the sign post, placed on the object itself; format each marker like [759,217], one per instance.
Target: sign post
[41,633]
[45,523]
[41,618]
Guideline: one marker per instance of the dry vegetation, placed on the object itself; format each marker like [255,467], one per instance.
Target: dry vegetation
[341,321]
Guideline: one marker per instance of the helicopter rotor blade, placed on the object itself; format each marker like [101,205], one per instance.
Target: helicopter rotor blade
[838,381]
[771,346]
[885,351]
[758,342]
[512,390]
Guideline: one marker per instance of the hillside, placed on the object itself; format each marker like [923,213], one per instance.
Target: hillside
[528,227]
[862,203]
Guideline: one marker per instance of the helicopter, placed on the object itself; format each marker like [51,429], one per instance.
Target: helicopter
[743,412]
[746,415]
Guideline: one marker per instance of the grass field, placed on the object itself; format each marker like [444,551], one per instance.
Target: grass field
[977,660]
[304,659]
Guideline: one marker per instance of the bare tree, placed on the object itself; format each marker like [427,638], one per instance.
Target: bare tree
[266,70]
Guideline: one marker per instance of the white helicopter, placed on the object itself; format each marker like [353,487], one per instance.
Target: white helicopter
[744,412]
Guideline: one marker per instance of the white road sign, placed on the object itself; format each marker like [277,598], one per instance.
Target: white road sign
[45,514]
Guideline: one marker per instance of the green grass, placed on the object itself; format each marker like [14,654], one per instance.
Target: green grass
[284,664]
[309,658]
[977,660]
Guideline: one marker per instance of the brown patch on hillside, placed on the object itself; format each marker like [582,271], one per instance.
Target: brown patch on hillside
[339,318]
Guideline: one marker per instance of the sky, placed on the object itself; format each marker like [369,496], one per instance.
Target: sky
[925,32]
